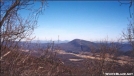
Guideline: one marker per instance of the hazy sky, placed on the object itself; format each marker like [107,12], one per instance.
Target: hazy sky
[88,20]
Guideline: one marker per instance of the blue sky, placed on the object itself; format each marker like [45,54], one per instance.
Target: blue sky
[88,20]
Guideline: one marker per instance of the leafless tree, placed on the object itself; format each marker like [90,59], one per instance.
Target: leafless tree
[129,34]
[106,59]
[13,25]
[128,2]
[18,19]
[129,37]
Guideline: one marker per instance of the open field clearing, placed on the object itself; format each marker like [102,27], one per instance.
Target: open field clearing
[121,59]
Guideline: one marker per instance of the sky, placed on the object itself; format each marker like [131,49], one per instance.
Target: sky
[87,20]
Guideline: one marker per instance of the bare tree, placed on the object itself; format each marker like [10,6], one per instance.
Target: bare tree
[105,58]
[13,25]
[16,26]
[128,2]
[129,34]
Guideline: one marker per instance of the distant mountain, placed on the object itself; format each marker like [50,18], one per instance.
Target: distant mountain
[50,41]
[80,42]
[79,45]
[76,45]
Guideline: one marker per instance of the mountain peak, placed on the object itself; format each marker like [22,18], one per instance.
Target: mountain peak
[76,41]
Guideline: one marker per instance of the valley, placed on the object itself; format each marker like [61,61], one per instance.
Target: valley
[120,59]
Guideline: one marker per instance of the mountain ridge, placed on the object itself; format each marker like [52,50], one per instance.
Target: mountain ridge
[79,45]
